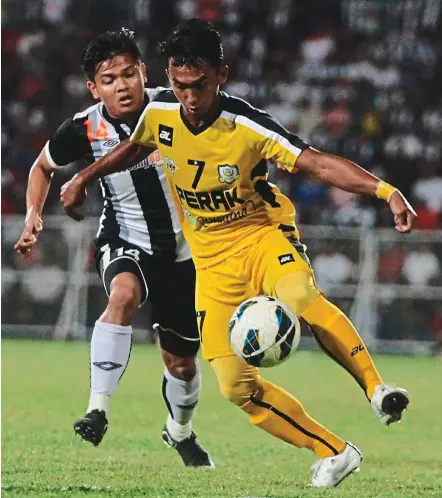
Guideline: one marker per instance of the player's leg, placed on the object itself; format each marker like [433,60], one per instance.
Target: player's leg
[112,335]
[273,409]
[267,405]
[293,282]
[280,414]
[173,305]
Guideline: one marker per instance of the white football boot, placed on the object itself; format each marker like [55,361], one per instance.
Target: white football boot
[329,472]
[389,402]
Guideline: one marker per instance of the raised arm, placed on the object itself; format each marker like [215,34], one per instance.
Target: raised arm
[346,175]
[39,181]
[123,156]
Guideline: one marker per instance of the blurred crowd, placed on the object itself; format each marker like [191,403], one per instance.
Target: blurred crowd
[359,78]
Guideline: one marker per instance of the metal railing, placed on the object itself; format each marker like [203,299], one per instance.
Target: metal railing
[59,294]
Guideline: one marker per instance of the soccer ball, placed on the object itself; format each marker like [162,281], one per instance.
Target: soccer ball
[264,332]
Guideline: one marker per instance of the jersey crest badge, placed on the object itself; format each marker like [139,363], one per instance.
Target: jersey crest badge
[170,164]
[228,173]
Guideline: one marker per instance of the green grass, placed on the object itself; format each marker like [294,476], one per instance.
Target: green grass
[45,388]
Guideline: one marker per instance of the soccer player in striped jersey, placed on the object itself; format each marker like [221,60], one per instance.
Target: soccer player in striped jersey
[141,253]
[243,238]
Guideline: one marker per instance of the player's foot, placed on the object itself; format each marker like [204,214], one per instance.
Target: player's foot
[191,452]
[92,427]
[329,472]
[389,402]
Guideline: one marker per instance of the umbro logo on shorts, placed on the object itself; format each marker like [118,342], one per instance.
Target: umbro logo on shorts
[165,135]
[285,258]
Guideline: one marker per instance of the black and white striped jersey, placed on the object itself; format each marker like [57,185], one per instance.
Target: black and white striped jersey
[138,206]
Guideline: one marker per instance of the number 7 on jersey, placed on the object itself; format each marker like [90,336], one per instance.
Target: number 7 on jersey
[200,165]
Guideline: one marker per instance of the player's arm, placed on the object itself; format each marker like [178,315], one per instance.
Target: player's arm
[39,181]
[121,157]
[346,175]
[126,154]
[68,144]
[275,143]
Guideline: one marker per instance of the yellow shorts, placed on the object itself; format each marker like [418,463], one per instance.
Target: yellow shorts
[251,272]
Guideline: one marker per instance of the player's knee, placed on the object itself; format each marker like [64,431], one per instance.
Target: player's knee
[298,290]
[124,296]
[183,368]
[236,379]
[124,299]
[239,392]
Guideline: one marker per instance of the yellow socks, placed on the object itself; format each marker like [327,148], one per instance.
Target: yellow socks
[273,409]
[341,341]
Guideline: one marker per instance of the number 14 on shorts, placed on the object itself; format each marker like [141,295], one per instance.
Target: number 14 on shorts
[135,253]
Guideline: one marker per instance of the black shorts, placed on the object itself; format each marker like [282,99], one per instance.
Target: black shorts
[167,285]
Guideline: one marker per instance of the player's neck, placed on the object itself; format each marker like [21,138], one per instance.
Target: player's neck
[131,119]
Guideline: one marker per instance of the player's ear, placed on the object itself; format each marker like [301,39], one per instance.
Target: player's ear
[143,72]
[168,76]
[223,74]
[93,89]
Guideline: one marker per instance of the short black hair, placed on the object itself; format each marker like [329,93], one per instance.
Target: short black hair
[193,42]
[106,46]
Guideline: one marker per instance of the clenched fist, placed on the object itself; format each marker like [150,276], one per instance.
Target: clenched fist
[28,238]
[404,214]
[72,195]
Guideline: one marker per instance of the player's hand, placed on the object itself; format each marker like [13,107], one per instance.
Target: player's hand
[404,214]
[72,195]
[28,238]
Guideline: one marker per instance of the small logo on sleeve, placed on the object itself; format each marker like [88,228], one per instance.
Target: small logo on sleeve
[170,164]
[165,134]
[110,143]
[286,258]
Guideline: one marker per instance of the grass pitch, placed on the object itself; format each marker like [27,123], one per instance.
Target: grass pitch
[45,388]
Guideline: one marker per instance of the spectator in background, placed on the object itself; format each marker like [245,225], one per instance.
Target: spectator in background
[317,46]
[428,188]
[310,194]
[427,219]
[344,208]
[43,285]
[403,320]
[391,263]
[286,114]
[332,267]
[308,117]
[358,79]
[421,266]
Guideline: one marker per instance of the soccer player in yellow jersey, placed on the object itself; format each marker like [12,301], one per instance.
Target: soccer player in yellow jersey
[243,238]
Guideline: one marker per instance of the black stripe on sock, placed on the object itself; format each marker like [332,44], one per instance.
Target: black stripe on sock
[330,355]
[191,406]
[128,358]
[165,397]
[293,423]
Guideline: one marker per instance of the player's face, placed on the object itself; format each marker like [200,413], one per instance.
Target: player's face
[197,88]
[119,84]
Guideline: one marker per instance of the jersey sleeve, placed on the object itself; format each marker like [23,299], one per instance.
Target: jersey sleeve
[69,143]
[273,141]
[143,133]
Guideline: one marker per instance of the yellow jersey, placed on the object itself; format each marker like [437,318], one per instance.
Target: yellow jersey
[217,173]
